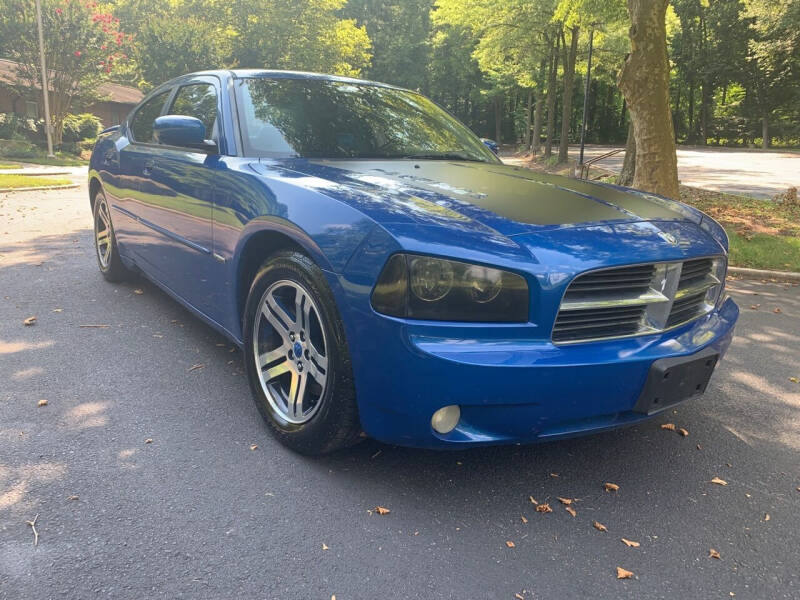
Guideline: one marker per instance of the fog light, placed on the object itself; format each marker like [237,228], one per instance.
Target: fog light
[445,419]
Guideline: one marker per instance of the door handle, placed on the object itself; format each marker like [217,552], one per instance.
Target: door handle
[148,167]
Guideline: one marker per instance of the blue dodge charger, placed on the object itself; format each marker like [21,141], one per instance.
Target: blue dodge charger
[385,274]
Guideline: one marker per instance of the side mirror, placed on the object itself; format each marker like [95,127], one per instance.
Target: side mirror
[183,131]
[491,145]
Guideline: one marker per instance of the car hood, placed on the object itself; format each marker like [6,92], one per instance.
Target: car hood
[491,199]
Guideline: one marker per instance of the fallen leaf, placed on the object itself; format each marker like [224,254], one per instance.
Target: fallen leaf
[611,487]
[543,508]
[713,554]
[381,510]
[683,432]
[670,426]
[599,526]
[42,403]
[571,511]
[794,379]
[766,517]
[624,573]
[630,543]
[553,474]
[519,597]
[72,498]
[58,310]
[324,547]
[195,367]
[29,321]
[253,446]
[533,500]
[777,311]
[699,447]
[510,544]
[754,306]
[719,481]
[138,292]
[524,520]
[148,441]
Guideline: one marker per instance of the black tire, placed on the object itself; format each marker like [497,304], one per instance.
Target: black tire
[111,264]
[335,423]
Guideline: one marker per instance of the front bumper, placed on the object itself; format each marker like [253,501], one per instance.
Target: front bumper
[512,390]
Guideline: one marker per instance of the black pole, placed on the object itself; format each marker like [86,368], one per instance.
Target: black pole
[586,93]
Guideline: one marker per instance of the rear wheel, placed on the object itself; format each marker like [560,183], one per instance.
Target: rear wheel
[105,243]
[296,357]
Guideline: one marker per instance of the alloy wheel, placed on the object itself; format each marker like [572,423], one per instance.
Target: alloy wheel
[102,234]
[290,350]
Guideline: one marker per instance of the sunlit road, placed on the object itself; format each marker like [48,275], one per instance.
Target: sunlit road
[736,171]
[197,513]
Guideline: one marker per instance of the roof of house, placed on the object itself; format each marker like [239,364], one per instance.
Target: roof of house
[109,92]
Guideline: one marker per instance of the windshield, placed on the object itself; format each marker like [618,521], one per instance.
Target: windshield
[315,118]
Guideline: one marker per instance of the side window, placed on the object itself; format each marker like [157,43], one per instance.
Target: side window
[200,101]
[142,123]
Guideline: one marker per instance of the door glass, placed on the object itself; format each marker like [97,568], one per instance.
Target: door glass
[199,101]
[142,123]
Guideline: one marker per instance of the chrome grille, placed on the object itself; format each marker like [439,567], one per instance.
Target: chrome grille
[637,299]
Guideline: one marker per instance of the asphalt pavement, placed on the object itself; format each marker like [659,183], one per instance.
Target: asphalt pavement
[153,477]
[741,171]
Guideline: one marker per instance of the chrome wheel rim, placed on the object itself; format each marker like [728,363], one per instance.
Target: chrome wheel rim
[290,351]
[102,234]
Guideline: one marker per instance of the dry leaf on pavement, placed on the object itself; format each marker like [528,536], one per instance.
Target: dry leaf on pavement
[670,426]
[41,403]
[766,517]
[719,481]
[138,292]
[713,554]
[29,321]
[381,510]
[777,311]
[148,441]
[565,501]
[533,500]
[510,544]
[571,511]
[683,432]
[524,520]
[630,543]
[610,487]
[72,498]
[324,547]
[599,526]
[543,508]
[794,379]
[196,367]
[553,474]
[624,573]
[253,446]
[519,597]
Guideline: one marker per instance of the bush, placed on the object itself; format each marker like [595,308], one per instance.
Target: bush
[14,127]
[18,149]
[81,127]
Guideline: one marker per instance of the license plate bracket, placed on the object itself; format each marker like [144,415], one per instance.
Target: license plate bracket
[673,380]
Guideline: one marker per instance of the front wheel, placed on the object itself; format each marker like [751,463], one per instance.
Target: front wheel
[105,242]
[296,357]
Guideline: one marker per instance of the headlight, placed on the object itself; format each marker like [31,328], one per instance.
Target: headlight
[422,287]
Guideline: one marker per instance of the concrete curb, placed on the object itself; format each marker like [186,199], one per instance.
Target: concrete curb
[33,173]
[68,186]
[763,274]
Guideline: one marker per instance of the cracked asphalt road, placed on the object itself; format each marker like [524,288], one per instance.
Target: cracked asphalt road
[197,514]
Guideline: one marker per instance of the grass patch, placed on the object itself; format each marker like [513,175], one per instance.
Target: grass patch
[764,234]
[25,181]
[62,159]
[9,166]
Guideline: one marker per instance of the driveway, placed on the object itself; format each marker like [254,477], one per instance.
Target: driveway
[153,477]
[761,174]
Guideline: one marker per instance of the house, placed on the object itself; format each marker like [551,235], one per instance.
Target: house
[117,100]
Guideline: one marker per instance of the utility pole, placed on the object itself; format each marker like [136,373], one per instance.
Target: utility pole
[586,93]
[45,90]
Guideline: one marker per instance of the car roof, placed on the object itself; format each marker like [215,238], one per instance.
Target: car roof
[278,74]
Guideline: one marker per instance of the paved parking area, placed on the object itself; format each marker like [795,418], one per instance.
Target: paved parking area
[197,513]
[761,174]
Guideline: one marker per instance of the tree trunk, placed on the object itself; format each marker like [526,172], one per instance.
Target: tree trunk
[765,132]
[551,98]
[498,119]
[569,82]
[528,110]
[536,138]
[629,164]
[644,81]
[705,104]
